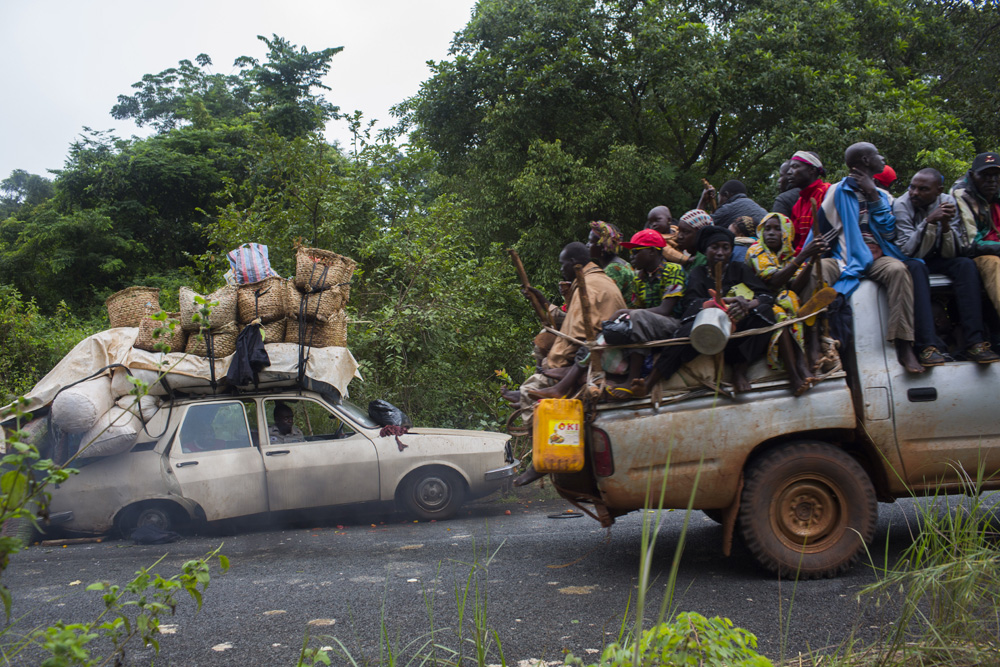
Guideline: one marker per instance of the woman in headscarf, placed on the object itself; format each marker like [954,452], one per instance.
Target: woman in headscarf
[605,242]
[688,227]
[773,258]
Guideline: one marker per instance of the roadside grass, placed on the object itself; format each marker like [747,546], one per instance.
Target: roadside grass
[938,603]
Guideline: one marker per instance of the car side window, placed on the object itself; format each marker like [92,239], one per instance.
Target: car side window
[214,427]
[302,420]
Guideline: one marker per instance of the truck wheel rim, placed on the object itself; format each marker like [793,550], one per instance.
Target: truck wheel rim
[807,514]
[432,493]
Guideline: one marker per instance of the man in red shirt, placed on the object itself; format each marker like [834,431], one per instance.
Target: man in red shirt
[805,171]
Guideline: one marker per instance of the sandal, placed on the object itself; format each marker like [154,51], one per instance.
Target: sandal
[619,393]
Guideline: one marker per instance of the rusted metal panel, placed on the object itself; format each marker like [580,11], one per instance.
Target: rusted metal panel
[708,439]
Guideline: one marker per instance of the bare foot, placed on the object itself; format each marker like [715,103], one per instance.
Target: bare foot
[639,388]
[511,396]
[805,386]
[906,357]
[740,383]
[548,392]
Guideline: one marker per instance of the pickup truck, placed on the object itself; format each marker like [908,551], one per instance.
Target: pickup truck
[799,479]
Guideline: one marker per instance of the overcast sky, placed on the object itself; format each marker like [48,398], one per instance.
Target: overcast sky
[66,61]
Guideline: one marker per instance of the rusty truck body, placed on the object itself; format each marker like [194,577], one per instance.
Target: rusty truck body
[799,479]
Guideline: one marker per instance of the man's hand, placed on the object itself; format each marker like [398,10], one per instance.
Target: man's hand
[942,215]
[564,286]
[816,247]
[866,183]
[619,313]
[533,290]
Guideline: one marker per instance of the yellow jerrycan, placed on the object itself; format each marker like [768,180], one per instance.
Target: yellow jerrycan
[557,435]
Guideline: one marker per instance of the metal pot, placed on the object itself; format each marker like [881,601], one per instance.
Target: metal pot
[711,331]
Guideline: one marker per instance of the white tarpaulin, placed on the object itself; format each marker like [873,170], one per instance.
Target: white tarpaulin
[334,366]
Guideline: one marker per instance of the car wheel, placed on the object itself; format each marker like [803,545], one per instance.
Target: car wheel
[157,515]
[434,493]
[807,510]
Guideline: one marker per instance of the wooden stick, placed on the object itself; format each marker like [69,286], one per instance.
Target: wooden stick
[71,540]
[817,268]
[591,325]
[711,199]
[540,311]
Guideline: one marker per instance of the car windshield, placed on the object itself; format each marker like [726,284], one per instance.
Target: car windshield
[357,414]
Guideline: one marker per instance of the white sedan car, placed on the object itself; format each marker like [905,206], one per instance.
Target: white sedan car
[222,457]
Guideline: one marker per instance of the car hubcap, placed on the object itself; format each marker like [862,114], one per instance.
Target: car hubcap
[432,493]
[806,514]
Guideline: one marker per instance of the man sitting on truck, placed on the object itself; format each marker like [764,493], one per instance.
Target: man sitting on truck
[863,243]
[929,227]
[978,197]
[658,290]
[605,300]
[805,171]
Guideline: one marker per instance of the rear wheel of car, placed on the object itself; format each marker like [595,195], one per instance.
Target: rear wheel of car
[807,510]
[432,493]
[163,516]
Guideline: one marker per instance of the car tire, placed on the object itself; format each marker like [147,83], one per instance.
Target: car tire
[807,510]
[159,515]
[432,493]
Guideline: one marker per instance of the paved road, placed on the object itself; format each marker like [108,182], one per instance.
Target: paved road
[551,584]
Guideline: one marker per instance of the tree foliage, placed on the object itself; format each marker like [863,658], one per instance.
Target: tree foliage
[540,100]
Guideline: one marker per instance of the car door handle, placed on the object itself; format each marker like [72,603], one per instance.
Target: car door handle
[277,452]
[187,463]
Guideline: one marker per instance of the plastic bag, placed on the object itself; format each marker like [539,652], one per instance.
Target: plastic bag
[618,331]
[385,413]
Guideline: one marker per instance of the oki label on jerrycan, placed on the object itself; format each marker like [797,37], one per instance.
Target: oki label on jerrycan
[557,427]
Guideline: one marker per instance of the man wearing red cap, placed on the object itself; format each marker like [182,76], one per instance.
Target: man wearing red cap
[657,291]
[978,197]
[805,171]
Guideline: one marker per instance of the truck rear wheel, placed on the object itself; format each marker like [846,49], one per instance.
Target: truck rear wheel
[807,509]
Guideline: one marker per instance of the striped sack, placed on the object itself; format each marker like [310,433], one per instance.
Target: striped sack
[250,263]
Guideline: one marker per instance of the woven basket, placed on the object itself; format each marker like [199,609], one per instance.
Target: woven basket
[332,333]
[264,300]
[317,305]
[223,342]
[145,340]
[273,332]
[321,269]
[127,307]
[222,314]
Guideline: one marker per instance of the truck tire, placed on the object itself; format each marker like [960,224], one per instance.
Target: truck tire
[807,510]
[432,493]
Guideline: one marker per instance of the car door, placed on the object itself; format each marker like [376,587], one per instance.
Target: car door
[321,461]
[215,463]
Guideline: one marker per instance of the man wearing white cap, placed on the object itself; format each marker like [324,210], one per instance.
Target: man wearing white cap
[805,171]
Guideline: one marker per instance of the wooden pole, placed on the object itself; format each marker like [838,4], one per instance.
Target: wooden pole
[540,311]
[710,205]
[581,293]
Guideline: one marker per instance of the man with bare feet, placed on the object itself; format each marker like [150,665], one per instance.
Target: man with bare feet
[658,290]
[864,229]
